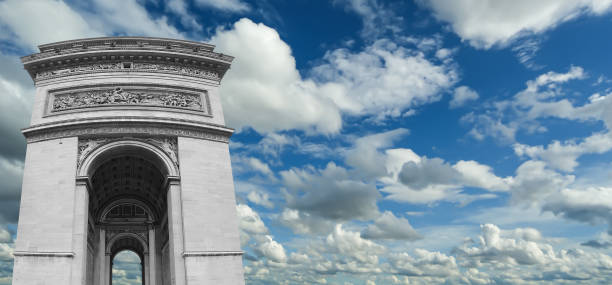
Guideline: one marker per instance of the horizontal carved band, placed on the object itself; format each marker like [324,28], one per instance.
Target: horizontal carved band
[129,66]
[116,96]
[212,253]
[43,254]
[131,130]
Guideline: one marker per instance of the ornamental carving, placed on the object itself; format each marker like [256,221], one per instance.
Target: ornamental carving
[121,66]
[87,146]
[79,69]
[168,144]
[183,70]
[127,96]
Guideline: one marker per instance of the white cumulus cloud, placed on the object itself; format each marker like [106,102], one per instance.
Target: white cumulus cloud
[264,89]
[497,23]
[461,96]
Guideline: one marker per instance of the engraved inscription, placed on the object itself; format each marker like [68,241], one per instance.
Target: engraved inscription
[127,96]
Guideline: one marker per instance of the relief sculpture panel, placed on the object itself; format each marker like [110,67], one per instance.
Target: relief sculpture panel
[116,96]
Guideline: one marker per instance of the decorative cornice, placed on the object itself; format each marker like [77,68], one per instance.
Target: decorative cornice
[212,253]
[118,43]
[43,254]
[119,129]
[139,53]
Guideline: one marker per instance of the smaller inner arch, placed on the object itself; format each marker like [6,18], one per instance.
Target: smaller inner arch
[127,211]
[128,241]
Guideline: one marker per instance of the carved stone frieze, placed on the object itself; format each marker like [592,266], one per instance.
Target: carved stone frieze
[79,69]
[136,66]
[126,96]
[178,69]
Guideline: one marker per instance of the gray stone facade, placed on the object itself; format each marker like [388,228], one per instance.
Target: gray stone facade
[127,150]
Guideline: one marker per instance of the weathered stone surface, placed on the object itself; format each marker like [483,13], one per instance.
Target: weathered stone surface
[127,149]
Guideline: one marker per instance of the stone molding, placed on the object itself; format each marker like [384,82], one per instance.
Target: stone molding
[88,144]
[212,253]
[119,95]
[119,43]
[126,129]
[43,254]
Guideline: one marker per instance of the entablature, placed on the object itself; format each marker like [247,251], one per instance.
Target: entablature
[125,54]
[127,126]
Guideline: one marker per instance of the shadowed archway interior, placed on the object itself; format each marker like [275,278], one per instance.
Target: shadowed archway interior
[128,211]
[127,177]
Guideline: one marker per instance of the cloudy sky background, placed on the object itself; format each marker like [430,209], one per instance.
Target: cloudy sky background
[380,142]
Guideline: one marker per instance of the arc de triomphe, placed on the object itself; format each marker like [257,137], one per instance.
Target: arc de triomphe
[127,149]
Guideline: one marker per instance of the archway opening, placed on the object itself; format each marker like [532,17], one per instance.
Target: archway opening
[127,268]
[128,212]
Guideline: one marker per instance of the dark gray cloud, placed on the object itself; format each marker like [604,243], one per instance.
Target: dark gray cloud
[9,211]
[16,97]
[17,93]
[388,226]
[591,205]
[597,244]
[428,172]
[330,193]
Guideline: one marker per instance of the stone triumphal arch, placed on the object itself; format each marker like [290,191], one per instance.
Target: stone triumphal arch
[127,150]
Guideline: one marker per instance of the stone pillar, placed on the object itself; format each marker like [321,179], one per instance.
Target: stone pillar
[152,257]
[175,232]
[100,278]
[144,266]
[79,233]
[108,275]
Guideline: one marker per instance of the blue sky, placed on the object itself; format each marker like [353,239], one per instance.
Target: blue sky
[381,142]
